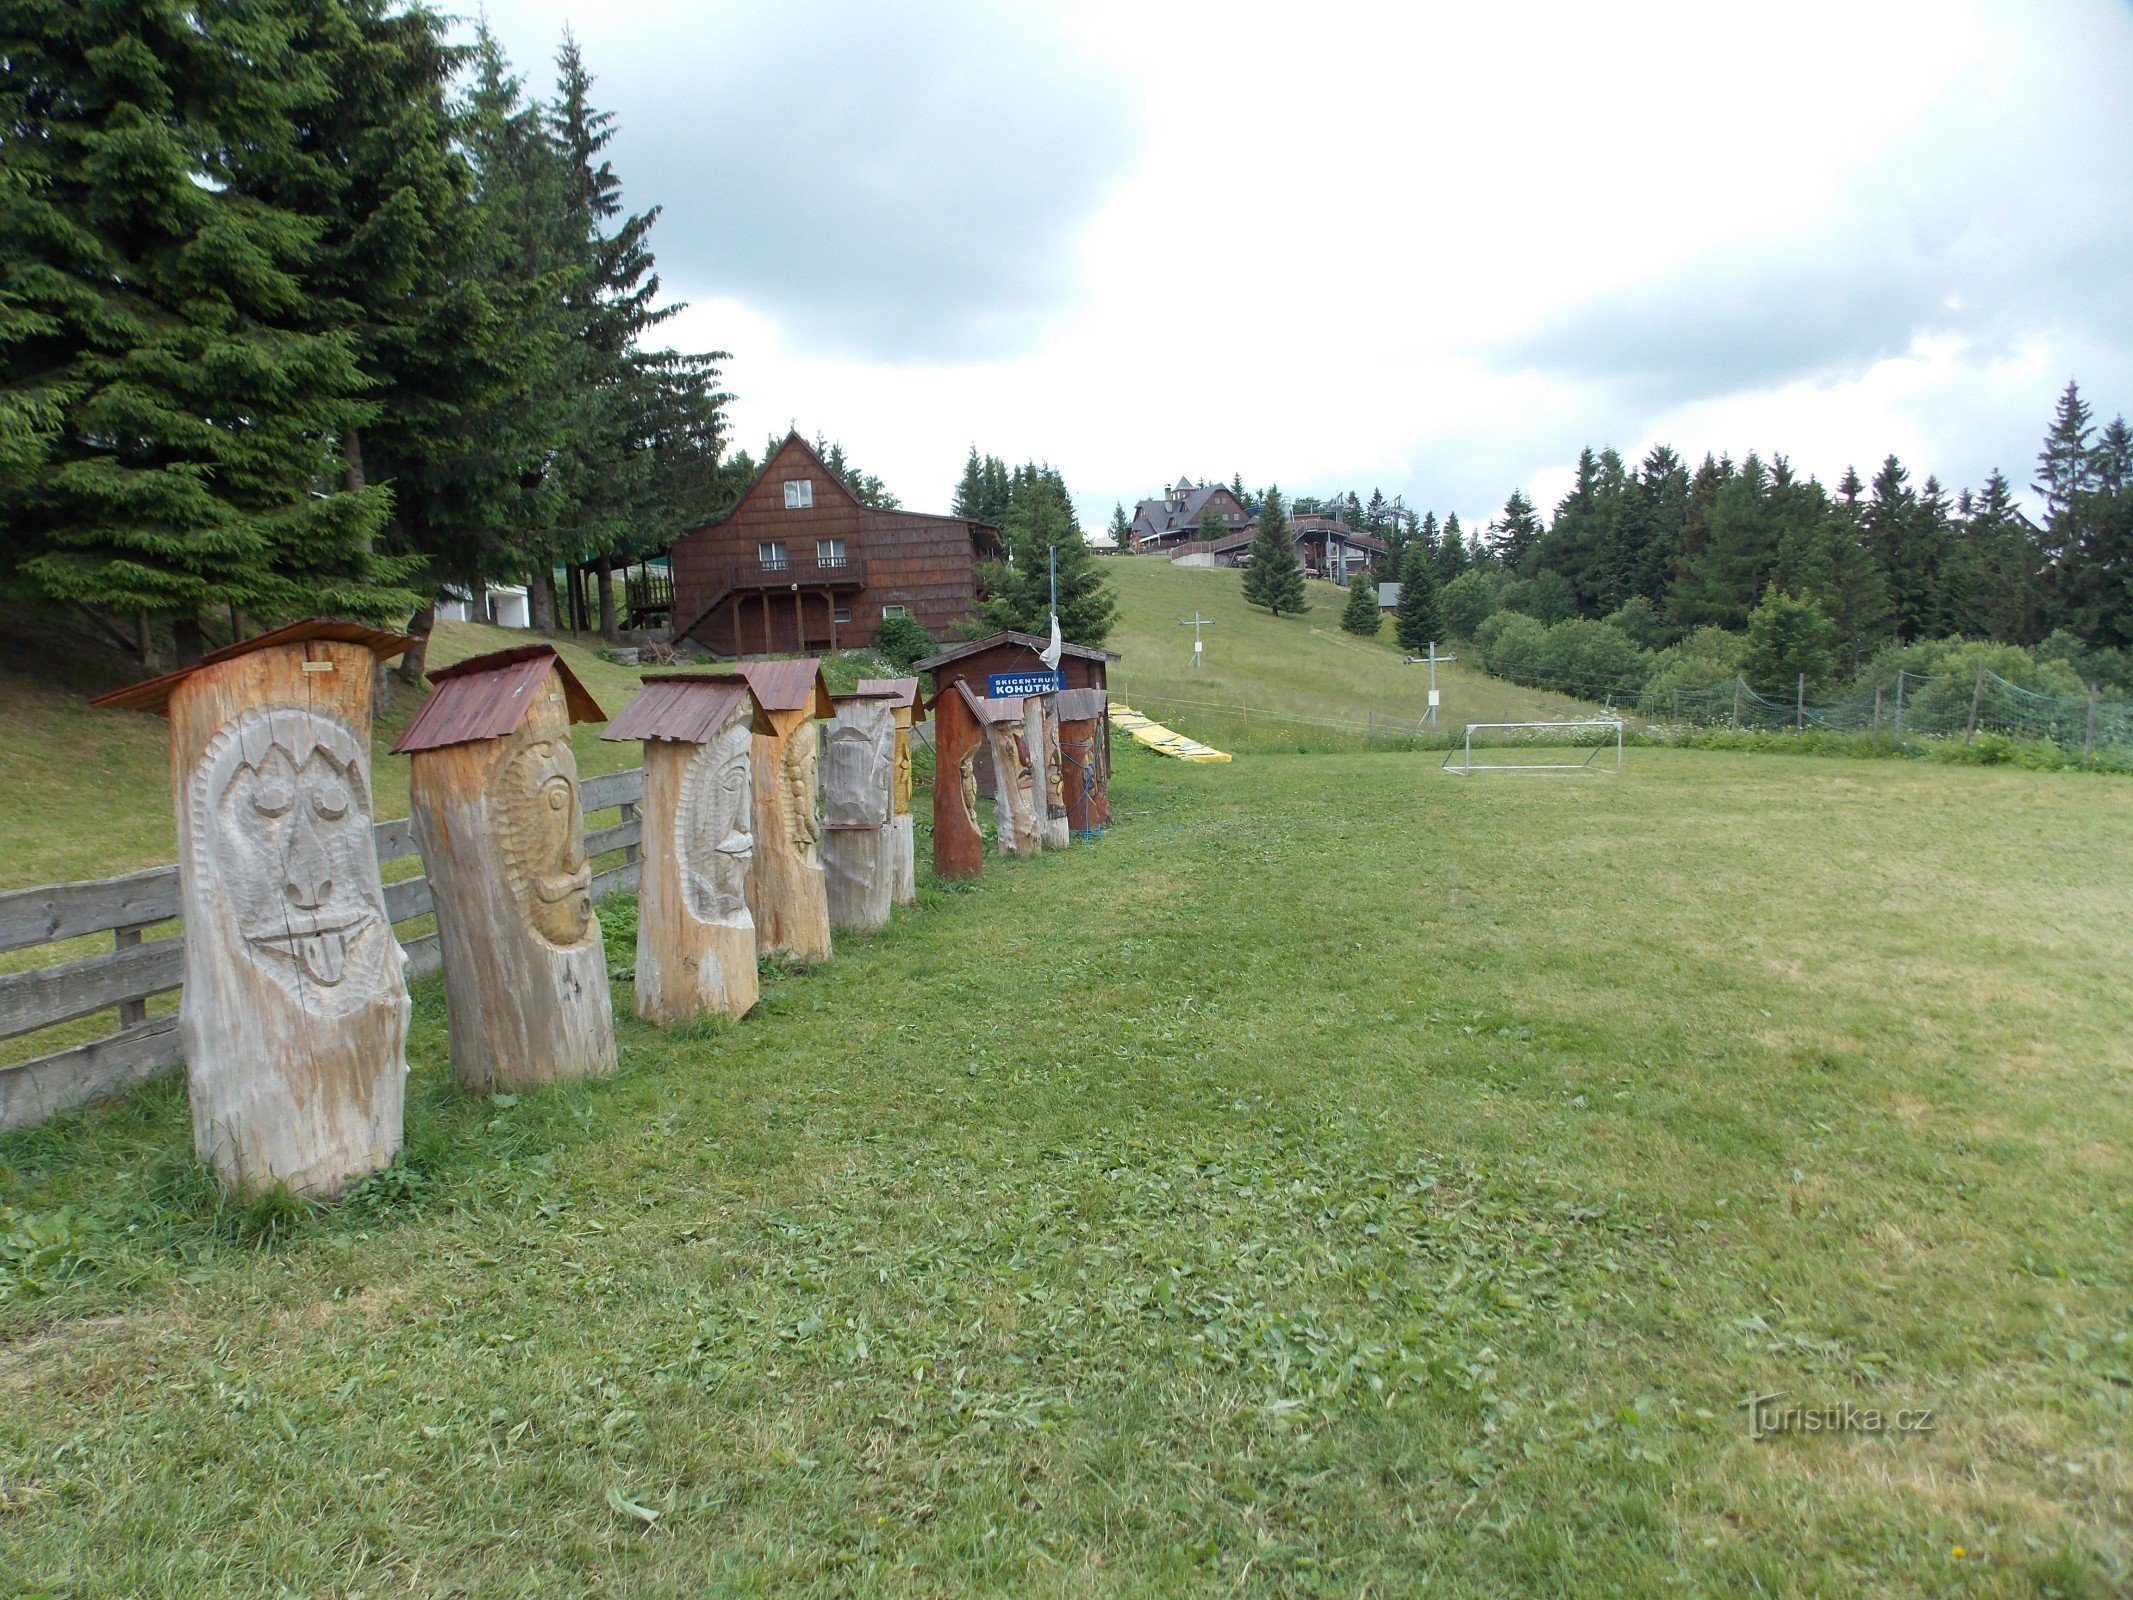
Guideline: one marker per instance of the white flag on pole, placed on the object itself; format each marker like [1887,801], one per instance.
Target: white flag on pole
[1049,655]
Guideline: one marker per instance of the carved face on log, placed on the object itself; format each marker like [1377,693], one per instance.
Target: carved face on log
[796,772]
[859,766]
[714,841]
[282,813]
[1054,774]
[967,771]
[1025,776]
[543,833]
[900,779]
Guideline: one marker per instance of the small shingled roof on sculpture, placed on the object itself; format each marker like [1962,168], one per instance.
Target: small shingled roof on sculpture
[153,694]
[1080,705]
[905,689]
[789,685]
[687,707]
[487,697]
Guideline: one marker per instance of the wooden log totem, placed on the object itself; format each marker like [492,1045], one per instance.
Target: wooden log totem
[1084,756]
[786,893]
[1055,808]
[696,945]
[858,797]
[958,735]
[294,1015]
[903,842]
[493,789]
[1017,811]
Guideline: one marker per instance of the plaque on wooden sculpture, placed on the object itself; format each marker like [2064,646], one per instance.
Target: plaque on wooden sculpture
[858,805]
[903,693]
[696,945]
[294,1013]
[786,893]
[958,731]
[493,787]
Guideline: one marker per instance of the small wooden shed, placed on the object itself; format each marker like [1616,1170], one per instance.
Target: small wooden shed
[294,1015]
[493,791]
[695,939]
[786,894]
[904,704]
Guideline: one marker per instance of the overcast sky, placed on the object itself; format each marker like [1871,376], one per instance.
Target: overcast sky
[1429,248]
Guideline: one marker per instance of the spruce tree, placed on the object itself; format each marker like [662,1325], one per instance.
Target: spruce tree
[174,415]
[1121,527]
[1418,620]
[1273,577]
[1517,530]
[970,488]
[1789,639]
[1360,616]
[1993,566]
[1040,525]
[1212,526]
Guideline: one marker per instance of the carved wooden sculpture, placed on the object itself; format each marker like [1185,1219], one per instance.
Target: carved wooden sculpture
[786,893]
[858,796]
[695,938]
[1084,752]
[1017,813]
[958,734]
[493,788]
[903,845]
[1055,808]
[294,1015]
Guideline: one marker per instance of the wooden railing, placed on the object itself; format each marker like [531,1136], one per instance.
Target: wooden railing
[138,968]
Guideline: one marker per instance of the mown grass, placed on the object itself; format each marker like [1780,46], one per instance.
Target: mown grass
[1283,683]
[1339,1179]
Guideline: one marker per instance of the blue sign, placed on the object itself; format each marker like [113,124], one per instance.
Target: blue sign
[1014,685]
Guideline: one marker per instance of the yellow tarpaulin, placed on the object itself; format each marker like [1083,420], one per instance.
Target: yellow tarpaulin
[1159,738]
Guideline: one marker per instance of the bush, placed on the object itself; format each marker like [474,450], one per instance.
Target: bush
[902,641]
[1706,659]
[1590,659]
[1511,644]
[1639,621]
[1546,596]
[1467,602]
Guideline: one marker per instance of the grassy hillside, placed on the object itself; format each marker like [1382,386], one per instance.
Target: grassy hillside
[1272,683]
[1195,1214]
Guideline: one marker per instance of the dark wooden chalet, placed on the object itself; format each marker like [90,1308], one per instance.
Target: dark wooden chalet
[800,565]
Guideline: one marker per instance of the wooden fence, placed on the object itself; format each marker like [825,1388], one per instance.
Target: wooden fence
[139,968]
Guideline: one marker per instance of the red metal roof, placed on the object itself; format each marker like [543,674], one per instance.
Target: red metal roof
[487,697]
[153,694]
[689,707]
[789,685]
[905,689]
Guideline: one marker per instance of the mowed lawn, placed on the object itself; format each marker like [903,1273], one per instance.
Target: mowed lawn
[1342,1179]
[1272,683]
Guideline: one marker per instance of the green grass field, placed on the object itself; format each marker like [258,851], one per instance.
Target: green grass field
[1299,680]
[1341,1179]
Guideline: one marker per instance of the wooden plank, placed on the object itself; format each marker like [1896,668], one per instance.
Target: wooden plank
[395,839]
[95,905]
[423,957]
[47,995]
[616,880]
[610,789]
[410,897]
[34,1091]
[601,840]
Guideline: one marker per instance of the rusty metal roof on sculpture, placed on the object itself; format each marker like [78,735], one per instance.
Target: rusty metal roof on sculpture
[789,685]
[1081,705]
[688,707]
[487,697]
[905,689]
[153,694]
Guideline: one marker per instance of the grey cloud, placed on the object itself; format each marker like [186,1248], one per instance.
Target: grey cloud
[890,182]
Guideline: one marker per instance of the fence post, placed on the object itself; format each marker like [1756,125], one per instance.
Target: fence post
[1799,707]
[1877,711]
[132,1013]
[628,810]
[1737,681]
[1899,705]
[1977,695]
[2088,737]
[1677,707]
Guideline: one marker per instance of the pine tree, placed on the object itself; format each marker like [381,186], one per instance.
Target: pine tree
[1360,616]
[2095,577]
[1121,527]
[2066,472]
[1993,566]
[177,416]
[1789,638]
[1898,533]
[1040,525]
[1212,525]
[1273,577]
[1516,532]
[1418,620]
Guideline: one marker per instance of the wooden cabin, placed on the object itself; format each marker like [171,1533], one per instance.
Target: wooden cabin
[801,566]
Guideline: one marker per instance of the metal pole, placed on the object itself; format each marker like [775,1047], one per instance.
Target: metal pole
[1877,711]
[1977,694]
[1433,683]
[1799,707]
[1737,681]
[1676,691]
[1899,705]
[2088,738]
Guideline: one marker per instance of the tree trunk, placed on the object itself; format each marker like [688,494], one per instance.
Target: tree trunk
[695,939]
[294,1013]
[610,624]
[858,799]
[540,599]
[478,602]
[958,845]
[786,895]
[418,653]
[188,643]
[146,638]
[1055,802]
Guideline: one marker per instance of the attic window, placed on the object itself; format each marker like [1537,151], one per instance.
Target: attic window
[799,493]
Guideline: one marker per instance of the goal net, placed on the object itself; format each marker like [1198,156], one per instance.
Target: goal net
[1586,745]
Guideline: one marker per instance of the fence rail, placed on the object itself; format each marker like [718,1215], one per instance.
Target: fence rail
[139,968]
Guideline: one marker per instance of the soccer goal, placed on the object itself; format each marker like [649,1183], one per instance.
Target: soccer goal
[1541,740]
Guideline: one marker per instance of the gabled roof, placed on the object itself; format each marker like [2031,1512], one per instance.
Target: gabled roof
[153,694]
[789,685]
[904,689]
[793,438]
[688,707]
[1030,641]
[487,697]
